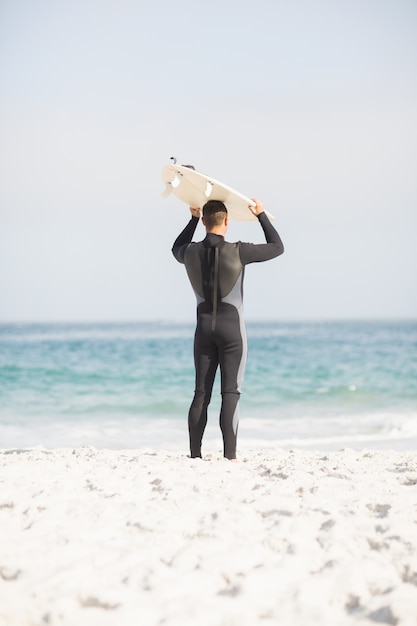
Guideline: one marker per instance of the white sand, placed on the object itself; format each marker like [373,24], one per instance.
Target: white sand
[145,538]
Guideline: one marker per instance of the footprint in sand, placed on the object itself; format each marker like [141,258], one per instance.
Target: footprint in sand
[380,510]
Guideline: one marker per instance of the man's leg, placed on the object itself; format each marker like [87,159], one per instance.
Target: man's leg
[232,359]
[206,362]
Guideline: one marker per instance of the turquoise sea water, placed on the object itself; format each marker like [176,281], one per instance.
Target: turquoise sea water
[324,385]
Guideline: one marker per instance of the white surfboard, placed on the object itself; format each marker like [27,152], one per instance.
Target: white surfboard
[195,189]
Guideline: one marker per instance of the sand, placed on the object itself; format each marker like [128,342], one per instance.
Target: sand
[143,537]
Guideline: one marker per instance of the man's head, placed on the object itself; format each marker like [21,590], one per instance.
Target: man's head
[215,216]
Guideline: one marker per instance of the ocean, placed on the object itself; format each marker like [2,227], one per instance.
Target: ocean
[324,385]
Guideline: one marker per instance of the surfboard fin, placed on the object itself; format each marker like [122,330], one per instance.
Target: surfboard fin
[167,191]
[209,189]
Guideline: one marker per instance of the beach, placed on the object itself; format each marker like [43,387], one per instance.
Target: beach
[105,520]
[145,537]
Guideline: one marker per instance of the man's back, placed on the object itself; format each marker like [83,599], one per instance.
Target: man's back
[215,267]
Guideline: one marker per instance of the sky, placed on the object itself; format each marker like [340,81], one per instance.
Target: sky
[309,105]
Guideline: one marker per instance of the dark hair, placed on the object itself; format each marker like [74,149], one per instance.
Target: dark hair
[214,212]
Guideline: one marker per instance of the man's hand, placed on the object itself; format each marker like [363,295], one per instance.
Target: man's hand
[195,212]
[259,208]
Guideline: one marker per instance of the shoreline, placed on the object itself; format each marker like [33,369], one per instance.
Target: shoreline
[146,536]
[381,432]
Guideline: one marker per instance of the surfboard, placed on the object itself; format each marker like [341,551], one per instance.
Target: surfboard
[195,189]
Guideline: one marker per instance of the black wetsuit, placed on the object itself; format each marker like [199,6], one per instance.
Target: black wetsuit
[216,270]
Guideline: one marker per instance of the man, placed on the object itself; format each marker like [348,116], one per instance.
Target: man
[216,270]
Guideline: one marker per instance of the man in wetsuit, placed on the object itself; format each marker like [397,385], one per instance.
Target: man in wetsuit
[216,270]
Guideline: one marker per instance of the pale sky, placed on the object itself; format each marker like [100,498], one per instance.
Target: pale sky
[308,105]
